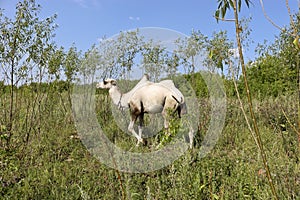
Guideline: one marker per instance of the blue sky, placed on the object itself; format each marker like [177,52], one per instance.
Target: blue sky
[83,22]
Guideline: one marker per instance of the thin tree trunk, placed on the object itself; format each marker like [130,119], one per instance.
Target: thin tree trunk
[11,106]
[256,130]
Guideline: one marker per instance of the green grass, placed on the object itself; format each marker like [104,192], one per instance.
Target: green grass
[54,164]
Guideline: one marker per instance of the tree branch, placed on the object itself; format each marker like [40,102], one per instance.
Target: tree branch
[267,17]
[224,20]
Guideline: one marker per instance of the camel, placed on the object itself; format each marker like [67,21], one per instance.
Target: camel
[146,97]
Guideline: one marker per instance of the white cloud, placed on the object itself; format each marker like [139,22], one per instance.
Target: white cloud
[87,3]
[134,18]
[81,3]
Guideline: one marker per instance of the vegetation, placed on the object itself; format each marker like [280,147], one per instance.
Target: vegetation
[42,156]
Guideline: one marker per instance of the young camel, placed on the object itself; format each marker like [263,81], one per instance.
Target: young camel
[146,97]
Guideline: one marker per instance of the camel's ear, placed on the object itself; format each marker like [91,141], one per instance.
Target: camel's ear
[104,82]
[113,82]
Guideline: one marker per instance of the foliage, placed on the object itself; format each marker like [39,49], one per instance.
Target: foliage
[25,42]
[30,59]
[220,50]
[275,72]
[55,164]
[115,56]
[25,49]
[225,5]
[154,59]
[253,125]
[45,159]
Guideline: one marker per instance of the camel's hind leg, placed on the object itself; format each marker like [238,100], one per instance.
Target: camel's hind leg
[141,124]
[141,120]
[170,106]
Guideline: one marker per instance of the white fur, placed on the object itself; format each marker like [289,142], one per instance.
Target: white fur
[146,97]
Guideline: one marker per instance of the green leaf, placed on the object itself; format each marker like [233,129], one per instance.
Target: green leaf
[296,42]
[239,5]
[248,3]
[211,54]
[215,196]
[201,187]
[220,4]
[217,14]
[220,65]
[223,10]
[231,3]
[2,128]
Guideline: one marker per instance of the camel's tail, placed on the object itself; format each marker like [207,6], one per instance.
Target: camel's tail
[182,109]
[179,102]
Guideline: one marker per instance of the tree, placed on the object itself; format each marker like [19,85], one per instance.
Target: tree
[275,71]
[154,59]
[189,48]
[70,66]
[25,46]
[128,45]
[219,51]
[55,64]
[71,63]
[116,56]
[223,6]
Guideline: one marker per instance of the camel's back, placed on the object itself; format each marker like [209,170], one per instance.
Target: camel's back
[153,91]
[152,94]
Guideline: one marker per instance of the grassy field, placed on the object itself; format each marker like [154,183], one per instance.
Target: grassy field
[45,159]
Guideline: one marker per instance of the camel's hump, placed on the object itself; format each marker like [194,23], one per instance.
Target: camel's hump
[167,83]
[143,82]
[171,86]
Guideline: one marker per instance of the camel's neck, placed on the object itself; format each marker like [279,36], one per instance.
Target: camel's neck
[115,95]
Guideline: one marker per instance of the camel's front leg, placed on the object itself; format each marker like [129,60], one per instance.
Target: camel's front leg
[131,130]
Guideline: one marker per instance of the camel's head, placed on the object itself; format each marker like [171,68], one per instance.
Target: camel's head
[107,84]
